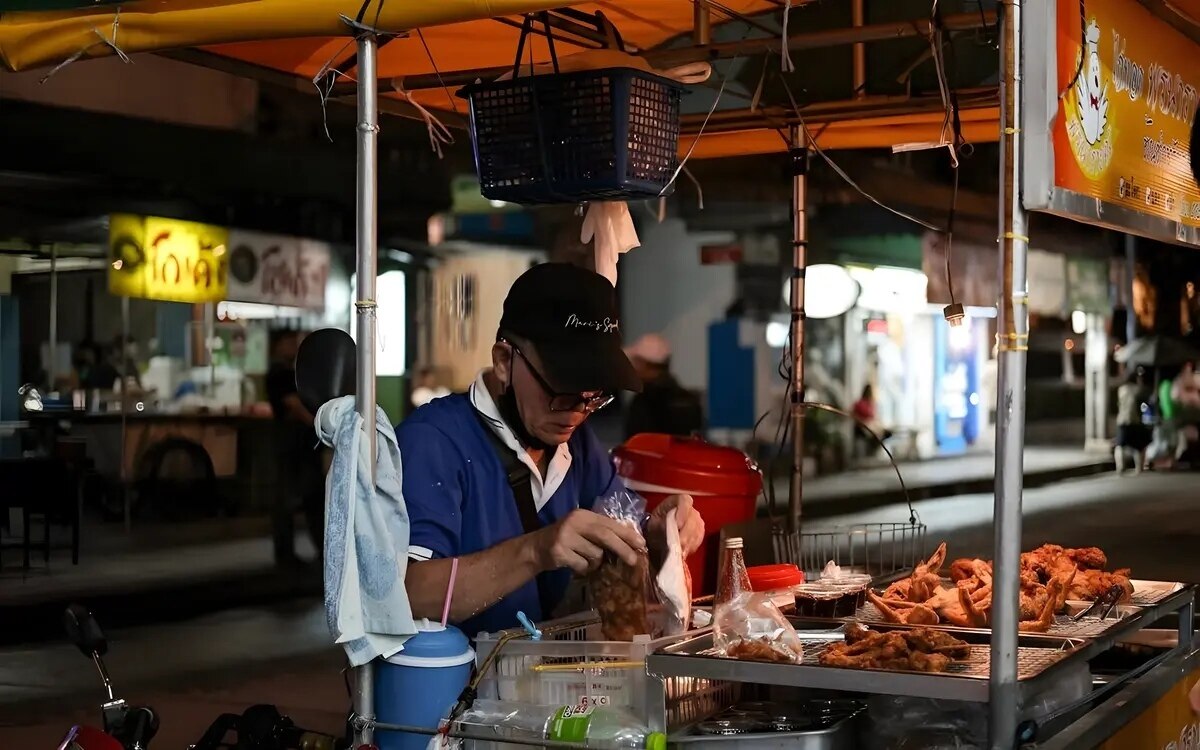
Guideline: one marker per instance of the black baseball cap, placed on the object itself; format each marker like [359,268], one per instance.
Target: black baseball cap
[570,316]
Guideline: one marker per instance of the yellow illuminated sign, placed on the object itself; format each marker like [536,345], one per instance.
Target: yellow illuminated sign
[1129,94]
[166,259]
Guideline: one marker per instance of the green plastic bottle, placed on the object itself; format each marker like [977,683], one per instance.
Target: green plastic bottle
[600,727]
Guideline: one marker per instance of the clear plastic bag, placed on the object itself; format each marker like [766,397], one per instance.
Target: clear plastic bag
[652,598]
[673,583]
[750,627]
[624,595]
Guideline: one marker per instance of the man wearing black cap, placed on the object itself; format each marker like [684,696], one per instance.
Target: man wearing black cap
[498,481]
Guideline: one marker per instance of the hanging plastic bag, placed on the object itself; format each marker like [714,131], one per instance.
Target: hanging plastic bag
[750,627]
[674,582]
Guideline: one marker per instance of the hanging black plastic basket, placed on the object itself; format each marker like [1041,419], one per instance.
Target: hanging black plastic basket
[606,134]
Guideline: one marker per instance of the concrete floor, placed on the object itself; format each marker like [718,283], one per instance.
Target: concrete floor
[193,671]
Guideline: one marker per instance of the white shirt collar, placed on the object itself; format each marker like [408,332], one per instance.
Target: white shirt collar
[560,462]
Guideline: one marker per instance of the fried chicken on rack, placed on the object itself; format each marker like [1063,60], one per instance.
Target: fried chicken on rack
[1041,621]
[1090,585]
[917,650]
[1090,582]
[902,612]
[924,581]
[748,649]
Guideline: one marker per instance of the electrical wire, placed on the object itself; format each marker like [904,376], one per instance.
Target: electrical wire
[812,143]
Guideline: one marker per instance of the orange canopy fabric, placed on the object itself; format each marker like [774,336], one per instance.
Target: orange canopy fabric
[299,36]
[305,37]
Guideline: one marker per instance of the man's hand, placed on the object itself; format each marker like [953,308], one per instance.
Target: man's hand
[580,540]
[691,525]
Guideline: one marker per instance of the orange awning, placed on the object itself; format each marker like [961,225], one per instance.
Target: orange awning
[303,37]
[299,36]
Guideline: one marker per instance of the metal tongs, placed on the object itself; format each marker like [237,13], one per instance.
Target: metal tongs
[1106,602]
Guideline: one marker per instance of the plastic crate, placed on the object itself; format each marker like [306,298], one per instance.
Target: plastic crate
[663,703]
[606,134]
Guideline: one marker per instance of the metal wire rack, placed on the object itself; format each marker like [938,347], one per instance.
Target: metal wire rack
[877,549]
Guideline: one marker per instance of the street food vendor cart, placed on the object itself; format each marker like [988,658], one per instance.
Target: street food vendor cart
[1066,123]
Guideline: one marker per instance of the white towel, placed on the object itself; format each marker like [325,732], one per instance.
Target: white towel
[366,537]
[610,224]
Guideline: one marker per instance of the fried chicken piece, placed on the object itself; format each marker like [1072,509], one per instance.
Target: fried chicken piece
[922,615]
[856,632]
[919,661]
[756,650]
[899,590]
[1045,620]
[918,650]
[1039,621]
[1088,558]
[963,569]
[903,613]
[924,581]
[1090,585]
[924,639]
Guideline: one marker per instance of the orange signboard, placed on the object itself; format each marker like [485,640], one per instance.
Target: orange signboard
[1170,724]
[1125,122]
[1123,91]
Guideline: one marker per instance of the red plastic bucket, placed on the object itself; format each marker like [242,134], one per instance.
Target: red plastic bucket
[723,482]
[774,577]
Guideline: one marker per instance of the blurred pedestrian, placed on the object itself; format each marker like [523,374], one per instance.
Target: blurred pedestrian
[866,422]
[301,478]
[1133,436]
[663,406]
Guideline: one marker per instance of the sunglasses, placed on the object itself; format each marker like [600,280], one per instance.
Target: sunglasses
[589,404]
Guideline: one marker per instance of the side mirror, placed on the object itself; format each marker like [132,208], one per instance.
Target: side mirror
[83,630]
[325,367]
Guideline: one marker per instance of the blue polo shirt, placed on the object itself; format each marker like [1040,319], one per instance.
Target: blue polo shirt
[459,501]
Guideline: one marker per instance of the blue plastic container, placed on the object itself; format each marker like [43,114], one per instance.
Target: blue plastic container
[419,685]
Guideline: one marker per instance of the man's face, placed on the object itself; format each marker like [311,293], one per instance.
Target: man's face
[533,398]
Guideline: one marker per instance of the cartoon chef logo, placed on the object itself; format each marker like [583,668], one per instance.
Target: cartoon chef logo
[1087,123]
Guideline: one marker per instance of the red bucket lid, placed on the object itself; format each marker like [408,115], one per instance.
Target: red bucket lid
[687,465]
[772,577]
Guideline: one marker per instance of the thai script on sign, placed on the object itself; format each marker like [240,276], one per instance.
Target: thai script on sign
[1168,93]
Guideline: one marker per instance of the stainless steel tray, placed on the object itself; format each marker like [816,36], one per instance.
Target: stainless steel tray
[1149,593]
[966,680]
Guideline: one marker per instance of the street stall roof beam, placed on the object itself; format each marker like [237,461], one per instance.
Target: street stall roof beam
[668,58]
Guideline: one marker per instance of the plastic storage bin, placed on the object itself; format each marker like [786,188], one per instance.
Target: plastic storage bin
[546,673]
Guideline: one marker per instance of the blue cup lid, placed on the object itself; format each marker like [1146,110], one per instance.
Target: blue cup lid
[433,641]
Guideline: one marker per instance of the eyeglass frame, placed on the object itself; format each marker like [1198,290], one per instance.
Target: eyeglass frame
[590,404]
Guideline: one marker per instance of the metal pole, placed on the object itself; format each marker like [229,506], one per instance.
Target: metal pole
[367,254]
[52,364]
[701,23]
[126,500]
[859,17]
[1010,409]
[1130,278]
[799,163]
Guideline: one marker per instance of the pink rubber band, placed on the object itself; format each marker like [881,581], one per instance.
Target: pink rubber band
[450,591]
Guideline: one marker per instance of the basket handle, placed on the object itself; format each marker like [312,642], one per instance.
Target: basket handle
[526,29]
[610,30]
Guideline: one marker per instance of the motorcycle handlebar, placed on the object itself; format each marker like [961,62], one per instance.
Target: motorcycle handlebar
[141,725]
